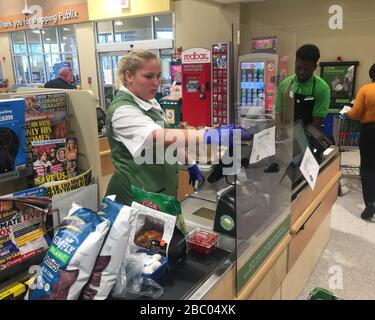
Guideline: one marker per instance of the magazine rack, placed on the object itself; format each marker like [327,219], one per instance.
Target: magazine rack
[82,125]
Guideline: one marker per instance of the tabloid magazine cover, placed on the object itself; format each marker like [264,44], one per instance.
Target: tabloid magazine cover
[49,161]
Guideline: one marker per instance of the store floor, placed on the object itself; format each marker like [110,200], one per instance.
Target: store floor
[350,250]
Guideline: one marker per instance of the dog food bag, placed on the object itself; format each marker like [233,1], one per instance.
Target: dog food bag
[112,254]
[160,202]
[152,230]
[71,257]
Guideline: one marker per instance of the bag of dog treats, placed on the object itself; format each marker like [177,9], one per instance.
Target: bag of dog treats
[160,202]
[71,257]
[108,263]
[152,230]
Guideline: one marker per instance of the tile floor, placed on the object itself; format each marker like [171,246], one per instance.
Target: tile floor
[347,266]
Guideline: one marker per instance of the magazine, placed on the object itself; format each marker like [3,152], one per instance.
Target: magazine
[12,135]
[82,180]
[49,161]
[22,229]
[72,157]
[46,117]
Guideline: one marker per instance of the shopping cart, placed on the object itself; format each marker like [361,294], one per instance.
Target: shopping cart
[347,134]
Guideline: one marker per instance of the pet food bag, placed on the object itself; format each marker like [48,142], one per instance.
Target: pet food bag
[112,254]
[71,257]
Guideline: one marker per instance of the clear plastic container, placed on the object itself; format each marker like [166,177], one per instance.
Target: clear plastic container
[202,241]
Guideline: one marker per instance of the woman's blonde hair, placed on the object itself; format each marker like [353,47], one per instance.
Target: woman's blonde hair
[132,62]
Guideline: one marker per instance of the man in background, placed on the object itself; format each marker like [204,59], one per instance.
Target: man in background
[64,81]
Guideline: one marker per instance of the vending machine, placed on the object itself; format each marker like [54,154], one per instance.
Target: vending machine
[222,107]
[257,76]
[196,87]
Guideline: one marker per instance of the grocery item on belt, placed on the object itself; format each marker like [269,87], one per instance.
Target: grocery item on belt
[160,202]
[111,256]
[70,259]
[152,230]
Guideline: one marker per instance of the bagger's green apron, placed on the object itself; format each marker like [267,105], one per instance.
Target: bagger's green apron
[157,178]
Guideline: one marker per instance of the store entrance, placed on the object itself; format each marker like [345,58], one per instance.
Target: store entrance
[108,75]
[109,67]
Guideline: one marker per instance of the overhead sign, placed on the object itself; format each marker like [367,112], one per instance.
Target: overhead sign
[69,14]
[196,55]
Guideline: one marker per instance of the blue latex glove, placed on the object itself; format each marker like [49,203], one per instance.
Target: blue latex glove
[196,178]
[224,134]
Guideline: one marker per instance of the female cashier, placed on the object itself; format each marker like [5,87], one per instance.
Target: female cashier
[135,122]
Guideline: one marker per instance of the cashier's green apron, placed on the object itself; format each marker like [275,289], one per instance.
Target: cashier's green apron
[157,178]
[304,106]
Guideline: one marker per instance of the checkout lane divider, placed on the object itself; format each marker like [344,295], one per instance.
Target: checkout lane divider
[264,269]
[301,221]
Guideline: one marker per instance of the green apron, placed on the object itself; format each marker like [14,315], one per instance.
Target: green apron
[157,178]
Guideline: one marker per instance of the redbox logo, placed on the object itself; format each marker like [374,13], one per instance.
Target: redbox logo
[196,56]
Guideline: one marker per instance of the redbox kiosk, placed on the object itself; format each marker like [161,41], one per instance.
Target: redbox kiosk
[196,87]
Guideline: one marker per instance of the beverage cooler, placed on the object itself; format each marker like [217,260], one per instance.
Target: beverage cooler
[257,83]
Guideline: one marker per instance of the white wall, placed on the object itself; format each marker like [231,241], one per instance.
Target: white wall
[297,22]
[87,56]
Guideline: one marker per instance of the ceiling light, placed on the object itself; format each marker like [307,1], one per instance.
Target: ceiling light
[118,23]
[35,31]
[66,29]
[156,19]
[48,39]
[64,38]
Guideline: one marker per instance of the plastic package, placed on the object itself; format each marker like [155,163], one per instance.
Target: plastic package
[202,241]
[155,265]
[131,282]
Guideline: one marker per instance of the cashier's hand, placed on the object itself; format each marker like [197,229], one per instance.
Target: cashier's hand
[196,178]
[224,135]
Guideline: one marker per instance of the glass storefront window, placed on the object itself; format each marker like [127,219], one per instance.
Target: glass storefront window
[67,39]
[50,40]
[37,68]
[105,32]
[36,52]
[163,26]
[51,59]
[19,43]
[21,65]
[34,41]
[133,29]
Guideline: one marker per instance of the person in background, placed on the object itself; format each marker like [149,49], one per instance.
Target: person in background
[133,121]
[311,94]
[364,111]
[64,80]
[304,93]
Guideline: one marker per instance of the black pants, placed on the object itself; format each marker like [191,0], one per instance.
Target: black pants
[367,151]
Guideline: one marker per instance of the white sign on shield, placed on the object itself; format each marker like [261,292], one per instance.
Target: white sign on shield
[263,145]
[309,168]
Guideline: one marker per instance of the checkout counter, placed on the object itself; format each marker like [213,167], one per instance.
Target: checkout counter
[283,227]
[286,269]
[282,231]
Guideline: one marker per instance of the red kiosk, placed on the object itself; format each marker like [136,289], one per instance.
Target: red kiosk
[196,87]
